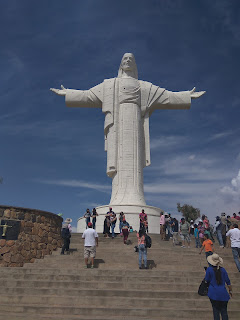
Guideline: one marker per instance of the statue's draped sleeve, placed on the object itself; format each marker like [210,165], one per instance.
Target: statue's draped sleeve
[85,98]
[154,97]
[172,100]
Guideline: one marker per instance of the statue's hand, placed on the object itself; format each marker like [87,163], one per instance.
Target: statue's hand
[195,95]
[60,92]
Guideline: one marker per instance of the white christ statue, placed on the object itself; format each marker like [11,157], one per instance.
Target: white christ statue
[127,103]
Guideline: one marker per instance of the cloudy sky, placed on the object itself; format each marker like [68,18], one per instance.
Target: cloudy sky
[52,157]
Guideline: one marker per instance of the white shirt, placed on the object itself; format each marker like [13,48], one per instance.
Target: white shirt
[234,235]
[89,235]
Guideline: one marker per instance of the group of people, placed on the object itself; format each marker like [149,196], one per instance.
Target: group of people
[88,216]
[216,276]
[226,230]
[222,225]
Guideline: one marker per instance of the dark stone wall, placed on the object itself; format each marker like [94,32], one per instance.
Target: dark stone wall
[40,234]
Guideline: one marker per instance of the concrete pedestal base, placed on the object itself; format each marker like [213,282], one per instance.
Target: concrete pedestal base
[131,214]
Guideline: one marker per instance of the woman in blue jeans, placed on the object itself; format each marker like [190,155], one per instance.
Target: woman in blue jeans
[217,293]
[142,250]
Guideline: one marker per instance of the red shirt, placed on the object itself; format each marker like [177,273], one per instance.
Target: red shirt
[143,217]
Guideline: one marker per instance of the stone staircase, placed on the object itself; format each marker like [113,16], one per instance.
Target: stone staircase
[59,287]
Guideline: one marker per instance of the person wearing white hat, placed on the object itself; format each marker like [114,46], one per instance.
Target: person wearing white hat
[217,276]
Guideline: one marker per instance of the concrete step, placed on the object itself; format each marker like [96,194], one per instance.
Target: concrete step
[66,312]
[58,286]
[104,283]
[100,297]
[38,270]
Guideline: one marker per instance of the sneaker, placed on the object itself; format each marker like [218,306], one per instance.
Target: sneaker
[183,247]
[145,267]
[92,266]
[85,266]
[140,267]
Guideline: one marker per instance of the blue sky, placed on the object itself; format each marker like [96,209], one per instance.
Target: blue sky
[52,157]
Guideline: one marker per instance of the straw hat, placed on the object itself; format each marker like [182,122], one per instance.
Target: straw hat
[68,220]
[215,260]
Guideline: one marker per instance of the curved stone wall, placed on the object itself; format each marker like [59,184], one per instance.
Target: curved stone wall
[39,235]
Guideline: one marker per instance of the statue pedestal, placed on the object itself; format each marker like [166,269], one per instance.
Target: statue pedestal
[131,214]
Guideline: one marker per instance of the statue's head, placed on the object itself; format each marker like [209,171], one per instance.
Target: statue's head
[128,64]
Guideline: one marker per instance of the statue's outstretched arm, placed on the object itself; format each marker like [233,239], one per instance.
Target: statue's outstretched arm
[195,95]
[60,92]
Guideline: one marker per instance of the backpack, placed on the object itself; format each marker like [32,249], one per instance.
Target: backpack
[148,241]
[66,233]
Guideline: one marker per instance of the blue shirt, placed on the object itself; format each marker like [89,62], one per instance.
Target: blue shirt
[196,233]
[215,291]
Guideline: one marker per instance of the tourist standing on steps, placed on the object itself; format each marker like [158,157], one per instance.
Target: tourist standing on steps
[224,227]
[175,230]
[191,229]
[87,216]
[196,236]
[113,220]
[162,226]
[107,223]
[234,235]
[94,217]
[218,229]
[125,230]
[143,220]
[142,250]
[217,293]
[90,237]
[121,218]
[66,235]
[184,230]
[201,230]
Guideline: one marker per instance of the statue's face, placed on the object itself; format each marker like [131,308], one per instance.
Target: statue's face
[128,62]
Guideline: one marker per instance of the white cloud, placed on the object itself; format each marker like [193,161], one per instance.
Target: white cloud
[236,181]
[232,193]
[77,184]
[220,135]
[167,141]
[192,157]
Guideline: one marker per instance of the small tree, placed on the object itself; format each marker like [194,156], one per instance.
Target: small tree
[188,212]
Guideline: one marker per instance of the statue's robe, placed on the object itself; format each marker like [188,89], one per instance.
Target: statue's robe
[106,96]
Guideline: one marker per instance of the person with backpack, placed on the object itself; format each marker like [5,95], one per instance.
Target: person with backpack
[142,249]
[217,277]
[66,235]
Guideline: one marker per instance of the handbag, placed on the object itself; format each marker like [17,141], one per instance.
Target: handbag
[203,288]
